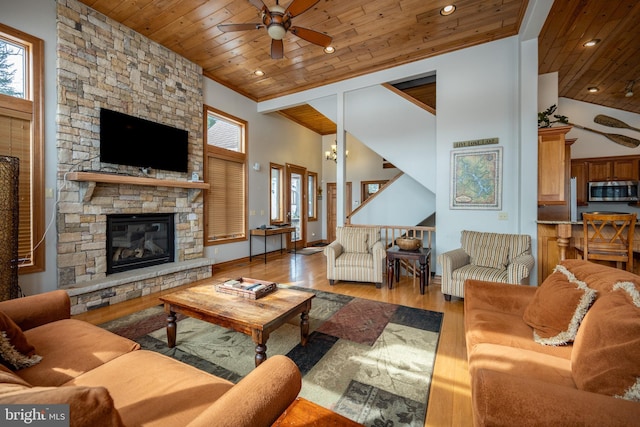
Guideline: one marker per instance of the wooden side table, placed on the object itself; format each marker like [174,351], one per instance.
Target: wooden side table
[422,255]
[302,413]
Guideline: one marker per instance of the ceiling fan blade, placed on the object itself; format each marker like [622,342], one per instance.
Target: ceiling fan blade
[277,49]
[315,37]
[296,7]
[225,28]
[259,4]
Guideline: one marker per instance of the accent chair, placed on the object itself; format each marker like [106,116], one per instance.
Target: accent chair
[356,255]
[492,257]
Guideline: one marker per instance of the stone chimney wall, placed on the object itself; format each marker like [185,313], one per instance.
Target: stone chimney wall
[102,63]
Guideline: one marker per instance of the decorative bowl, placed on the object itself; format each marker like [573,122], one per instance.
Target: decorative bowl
[408,243]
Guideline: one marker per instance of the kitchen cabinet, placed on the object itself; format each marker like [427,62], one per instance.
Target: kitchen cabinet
[549,251]
[621,169]
[553,166]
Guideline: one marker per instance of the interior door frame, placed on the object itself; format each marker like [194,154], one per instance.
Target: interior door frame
[331,189]
[302,171]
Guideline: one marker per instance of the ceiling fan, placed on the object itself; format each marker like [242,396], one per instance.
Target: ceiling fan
[277,21]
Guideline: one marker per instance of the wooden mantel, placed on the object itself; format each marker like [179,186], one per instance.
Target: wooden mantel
[91,178]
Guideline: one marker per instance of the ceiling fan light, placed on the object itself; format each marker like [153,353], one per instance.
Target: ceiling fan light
[591,43]
[448,10]
[276,32]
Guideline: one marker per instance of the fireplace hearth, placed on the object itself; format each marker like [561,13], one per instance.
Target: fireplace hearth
[137,241]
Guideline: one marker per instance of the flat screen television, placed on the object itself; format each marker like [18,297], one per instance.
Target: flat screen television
[128,140]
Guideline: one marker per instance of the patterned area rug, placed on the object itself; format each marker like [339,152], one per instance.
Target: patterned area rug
[369,361]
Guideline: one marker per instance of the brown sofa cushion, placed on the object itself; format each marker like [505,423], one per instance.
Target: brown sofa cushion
[151,389]
[69,348]
[597,276]
[15,351]
[88,406]
[606,355]
[558,307]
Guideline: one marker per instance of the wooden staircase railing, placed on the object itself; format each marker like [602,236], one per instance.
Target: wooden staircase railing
[389,234]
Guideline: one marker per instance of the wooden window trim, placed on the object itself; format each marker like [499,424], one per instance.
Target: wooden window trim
[34,95]
[228,155]
[313,196]
[280,219]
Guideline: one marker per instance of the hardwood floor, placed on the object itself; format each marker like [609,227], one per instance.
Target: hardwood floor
[450,396]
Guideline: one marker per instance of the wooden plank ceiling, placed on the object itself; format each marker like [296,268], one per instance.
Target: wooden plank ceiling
[372,35]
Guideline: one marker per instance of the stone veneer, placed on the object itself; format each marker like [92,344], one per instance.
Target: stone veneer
[101,63]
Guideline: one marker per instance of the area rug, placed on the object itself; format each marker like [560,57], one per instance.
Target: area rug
[309,251]
[369,361]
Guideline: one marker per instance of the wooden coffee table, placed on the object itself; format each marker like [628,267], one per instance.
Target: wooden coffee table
[257,318]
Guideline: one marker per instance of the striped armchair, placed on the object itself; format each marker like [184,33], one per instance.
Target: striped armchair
[492,257]
[356,255]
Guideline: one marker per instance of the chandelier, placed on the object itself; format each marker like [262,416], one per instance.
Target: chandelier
[333,154]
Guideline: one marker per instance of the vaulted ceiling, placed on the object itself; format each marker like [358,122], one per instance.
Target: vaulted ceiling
[371,35]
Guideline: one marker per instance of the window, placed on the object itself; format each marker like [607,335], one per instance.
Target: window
[21,135]
[226,173]
[276,192]
[312,183]
[369,188]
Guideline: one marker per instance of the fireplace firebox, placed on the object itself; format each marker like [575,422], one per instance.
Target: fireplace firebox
[137,241]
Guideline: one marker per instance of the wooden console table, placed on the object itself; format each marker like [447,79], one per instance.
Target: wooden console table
[265,232]
[422,255]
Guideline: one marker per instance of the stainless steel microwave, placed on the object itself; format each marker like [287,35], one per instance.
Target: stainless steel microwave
[613,191]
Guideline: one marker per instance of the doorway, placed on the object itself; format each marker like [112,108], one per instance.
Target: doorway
[332,217]
[296,205]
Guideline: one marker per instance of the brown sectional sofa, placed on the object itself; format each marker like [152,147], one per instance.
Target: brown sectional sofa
[109,381]
[515,380]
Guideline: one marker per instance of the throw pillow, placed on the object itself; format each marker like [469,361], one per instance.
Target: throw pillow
[558,307]
[606,353]
[15,350]
[353,240]
[88,406]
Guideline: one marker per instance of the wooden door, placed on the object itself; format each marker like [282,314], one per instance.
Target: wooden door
[296,204]
[332,217]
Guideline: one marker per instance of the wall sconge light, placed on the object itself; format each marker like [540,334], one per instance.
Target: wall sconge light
[256,167]
[333,154]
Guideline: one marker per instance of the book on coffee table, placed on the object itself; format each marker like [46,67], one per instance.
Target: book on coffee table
[246,287]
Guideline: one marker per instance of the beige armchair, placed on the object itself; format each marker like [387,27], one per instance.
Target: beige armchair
[356,255]
[493,257]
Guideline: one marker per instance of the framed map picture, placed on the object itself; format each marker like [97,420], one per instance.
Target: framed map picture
[476,181]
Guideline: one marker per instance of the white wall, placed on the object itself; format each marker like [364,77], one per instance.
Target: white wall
[589,144]
[38,18]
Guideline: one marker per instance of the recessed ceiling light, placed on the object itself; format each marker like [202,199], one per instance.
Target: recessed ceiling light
[329,49]
[448,10]
[591,43]
[593,89]
[259,73]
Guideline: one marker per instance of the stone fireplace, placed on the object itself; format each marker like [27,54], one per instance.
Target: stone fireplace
[138,241]
[101,63]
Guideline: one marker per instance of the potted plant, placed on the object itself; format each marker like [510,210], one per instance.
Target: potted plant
[544,119]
